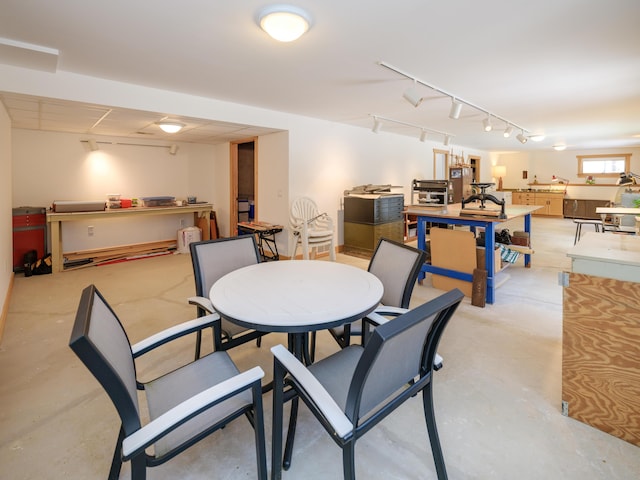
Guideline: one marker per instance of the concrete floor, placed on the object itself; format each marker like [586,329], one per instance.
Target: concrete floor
[497,399]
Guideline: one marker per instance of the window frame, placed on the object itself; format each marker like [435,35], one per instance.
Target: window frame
[608,156]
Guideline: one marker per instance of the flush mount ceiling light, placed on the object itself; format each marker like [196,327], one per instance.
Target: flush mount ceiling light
[456,108]
[537,138]
[284,23]
[412,95]
[521,137]
[507,131]
[486,124]
[559,147]
[170,127]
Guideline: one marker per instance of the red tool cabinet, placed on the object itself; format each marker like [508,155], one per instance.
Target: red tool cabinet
[29,233]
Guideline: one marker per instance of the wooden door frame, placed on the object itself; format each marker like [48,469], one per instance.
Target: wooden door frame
[233,182]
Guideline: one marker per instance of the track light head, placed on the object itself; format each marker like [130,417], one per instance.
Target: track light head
[376,125]
[173,149]
[447,140]
[93,145]
[423,135]
[412,95]
[522,138]
[486,124]
[456,108]
[507,131]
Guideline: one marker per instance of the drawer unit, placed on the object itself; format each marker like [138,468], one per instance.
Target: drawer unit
[363,238]
[374,210]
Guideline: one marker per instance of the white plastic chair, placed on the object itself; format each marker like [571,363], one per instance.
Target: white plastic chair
[309,228]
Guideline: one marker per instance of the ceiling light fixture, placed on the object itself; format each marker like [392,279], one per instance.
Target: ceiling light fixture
[522,138]
[486,124]
[537,137]
[93,145]
[559,147]
[507,131]
[377,121]
[284,23]
[169,126]
[456,102]
[412,95]
[456,108]
[447,140]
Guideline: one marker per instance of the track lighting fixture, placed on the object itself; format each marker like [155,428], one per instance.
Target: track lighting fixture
[377,122]
[456,108]
[93,145]
[412,95]
[168,126]
[173,149]
[522,138]
[456,105]
[486,124]
[376,125]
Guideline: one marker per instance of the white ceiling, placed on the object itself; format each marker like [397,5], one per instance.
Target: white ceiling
[569,69]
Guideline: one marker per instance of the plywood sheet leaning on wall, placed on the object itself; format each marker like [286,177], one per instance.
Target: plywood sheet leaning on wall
[455,250]
[601,354]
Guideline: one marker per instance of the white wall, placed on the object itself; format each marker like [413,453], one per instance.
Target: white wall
[545,164]
[6,238]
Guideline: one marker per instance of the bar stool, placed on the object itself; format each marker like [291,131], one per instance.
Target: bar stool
[579,222]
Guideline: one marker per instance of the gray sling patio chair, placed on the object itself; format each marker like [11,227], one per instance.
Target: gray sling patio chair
[212,259]
[184,405]
[352,390]
[397,266]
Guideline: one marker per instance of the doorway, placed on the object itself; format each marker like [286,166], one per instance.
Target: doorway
[243,188]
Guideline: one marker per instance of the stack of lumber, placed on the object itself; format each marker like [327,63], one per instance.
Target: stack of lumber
[101,256]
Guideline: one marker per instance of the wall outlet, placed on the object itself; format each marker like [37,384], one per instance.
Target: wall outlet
[90,230]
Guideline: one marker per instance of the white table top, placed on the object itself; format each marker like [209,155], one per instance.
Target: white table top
[296,295]
[609,248]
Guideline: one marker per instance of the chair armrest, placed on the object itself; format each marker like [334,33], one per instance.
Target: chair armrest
[203,303]
[172,333]
[146,436]
[314,389]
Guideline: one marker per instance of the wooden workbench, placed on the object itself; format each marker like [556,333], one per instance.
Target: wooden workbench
[450,215]
[55,221]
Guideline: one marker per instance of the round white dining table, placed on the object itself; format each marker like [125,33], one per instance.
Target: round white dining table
[296,296]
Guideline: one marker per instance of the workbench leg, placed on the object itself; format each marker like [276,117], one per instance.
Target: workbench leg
[527,228]
[57,261]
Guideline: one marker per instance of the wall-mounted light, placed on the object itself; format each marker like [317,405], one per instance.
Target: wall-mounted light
[169,126]
[284,23]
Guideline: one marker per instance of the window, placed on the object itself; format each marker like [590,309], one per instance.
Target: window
[611,165]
